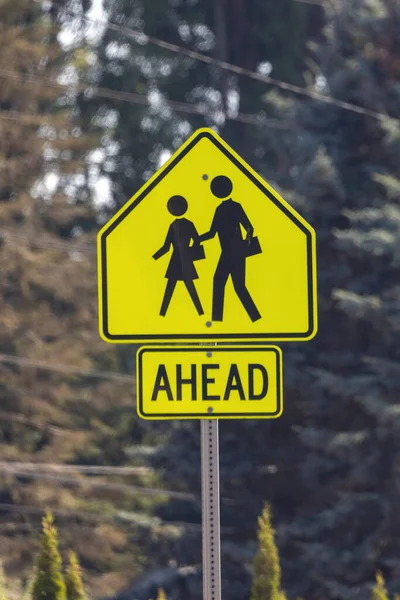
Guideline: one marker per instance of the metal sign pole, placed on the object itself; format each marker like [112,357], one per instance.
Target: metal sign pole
[210,510]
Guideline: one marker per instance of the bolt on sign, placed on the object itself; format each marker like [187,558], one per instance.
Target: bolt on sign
[207,250]
[197,382]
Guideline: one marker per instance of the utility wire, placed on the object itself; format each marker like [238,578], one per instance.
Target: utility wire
[68,514]
[62,368]
[125,517]
[19,418]
[314,2]
[35,467]
[142,38]
[132,98]
[102,485]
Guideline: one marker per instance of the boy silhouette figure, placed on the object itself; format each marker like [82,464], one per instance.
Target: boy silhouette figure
[181,268]
[227,221]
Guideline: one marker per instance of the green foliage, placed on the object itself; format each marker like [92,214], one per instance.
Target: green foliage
[161,595]
[28,588]
[379,591]
[252,34]
[73,579]
[49,583]
[3,584]
[266,567]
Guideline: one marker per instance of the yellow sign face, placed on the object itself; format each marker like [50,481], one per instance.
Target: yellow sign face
[193,382]
[207,250]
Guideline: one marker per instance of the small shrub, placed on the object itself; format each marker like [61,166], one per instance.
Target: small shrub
[266,568]
[379,591]
[49,583]
[73,579]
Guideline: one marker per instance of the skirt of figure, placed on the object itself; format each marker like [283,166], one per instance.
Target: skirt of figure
[180,270]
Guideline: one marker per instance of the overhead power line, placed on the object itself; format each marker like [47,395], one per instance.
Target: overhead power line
[142,38]
[132,98]
[120,516]
[25,509]
[314,2]
[62,368]
[101,485]
[19,418]
[34,467]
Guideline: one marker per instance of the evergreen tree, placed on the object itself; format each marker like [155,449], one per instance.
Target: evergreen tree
[266,568]
[247,33]
[39,130]
[49,583]
[161,595]
[345,175]
[73,579]
[42,166]
[21,148]
[379,591]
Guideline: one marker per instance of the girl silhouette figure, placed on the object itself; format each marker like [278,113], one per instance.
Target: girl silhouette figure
[181,268]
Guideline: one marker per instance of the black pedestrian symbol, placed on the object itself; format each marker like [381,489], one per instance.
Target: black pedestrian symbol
[181,268]
[228,219]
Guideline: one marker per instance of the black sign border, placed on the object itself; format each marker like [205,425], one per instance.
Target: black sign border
[214,415]
[205,336]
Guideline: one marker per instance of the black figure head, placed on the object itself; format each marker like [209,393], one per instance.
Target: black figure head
[177,206]
[221,186]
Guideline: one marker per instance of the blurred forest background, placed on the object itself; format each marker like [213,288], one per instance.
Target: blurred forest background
[94,96]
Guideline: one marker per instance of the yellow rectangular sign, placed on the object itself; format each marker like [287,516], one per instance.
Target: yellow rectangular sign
[209,382]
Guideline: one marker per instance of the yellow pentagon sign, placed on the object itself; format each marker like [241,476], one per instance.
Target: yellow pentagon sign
[206,249]
[194,382]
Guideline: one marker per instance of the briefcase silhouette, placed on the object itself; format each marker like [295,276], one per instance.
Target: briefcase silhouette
[252,246]
[197,252]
